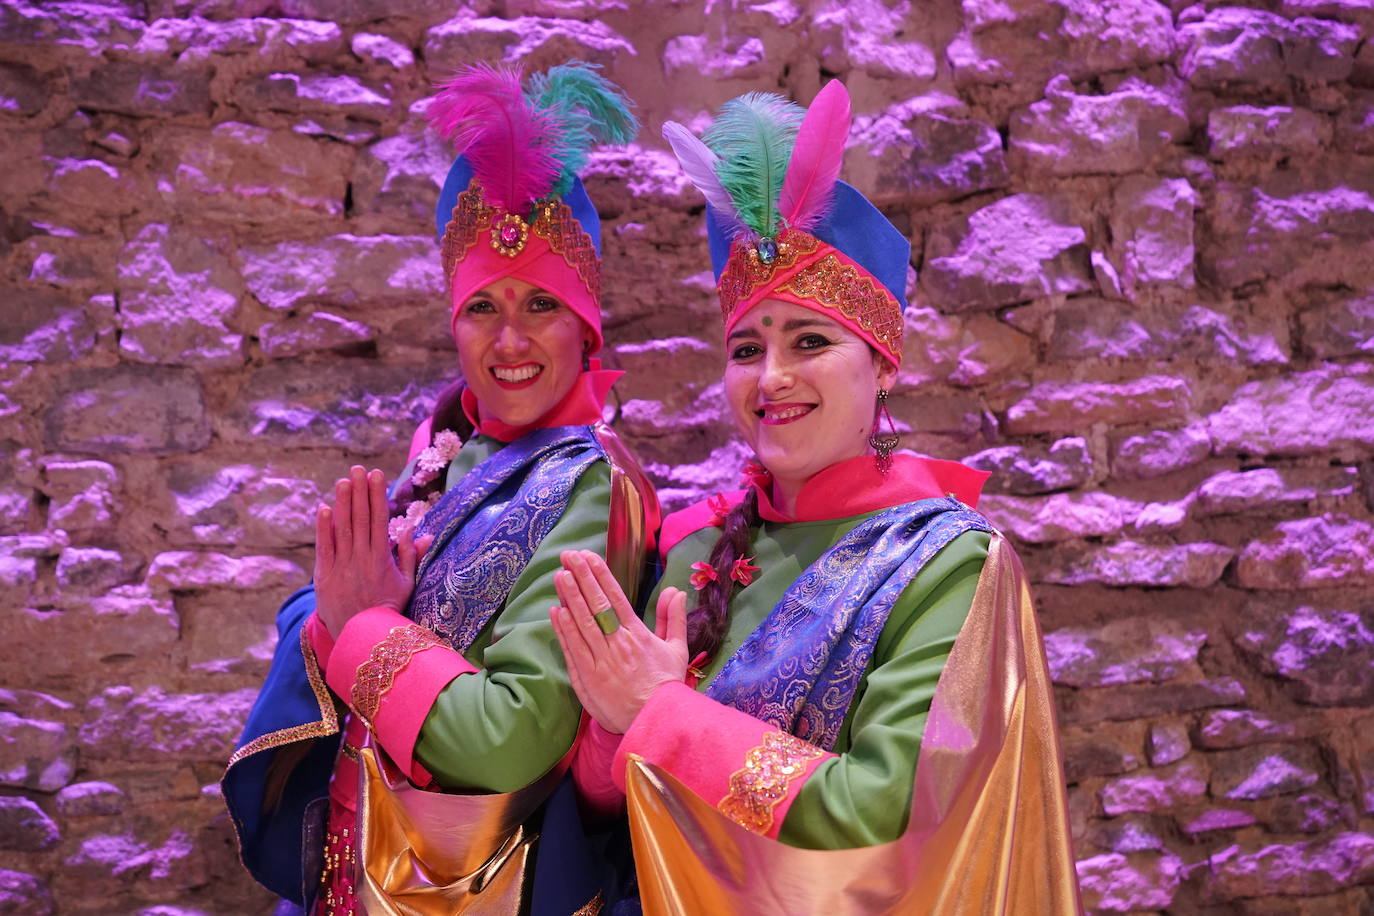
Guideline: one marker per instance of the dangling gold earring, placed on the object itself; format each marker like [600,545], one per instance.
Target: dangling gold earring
[883,443]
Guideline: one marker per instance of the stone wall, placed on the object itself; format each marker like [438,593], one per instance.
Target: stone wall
[1142,295]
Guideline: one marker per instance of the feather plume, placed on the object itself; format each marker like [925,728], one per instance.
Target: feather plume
[700,165]
[510,143]
[753,135]
[808,190]
[592,109]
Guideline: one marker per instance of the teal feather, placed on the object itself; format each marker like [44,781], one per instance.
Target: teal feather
[753,135]
[591,109]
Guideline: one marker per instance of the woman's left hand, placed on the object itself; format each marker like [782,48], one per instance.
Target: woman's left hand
[615,674]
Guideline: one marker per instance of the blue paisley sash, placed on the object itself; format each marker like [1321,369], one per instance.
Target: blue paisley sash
[488,526]
[799,669]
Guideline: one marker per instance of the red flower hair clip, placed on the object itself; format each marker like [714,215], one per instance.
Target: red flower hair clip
[755,475]
[720,507]
[743,571]
[704,573]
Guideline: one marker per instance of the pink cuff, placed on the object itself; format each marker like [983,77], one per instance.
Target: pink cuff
[748,770]
[591,769]
[420,440]
[391,670]
[321,643]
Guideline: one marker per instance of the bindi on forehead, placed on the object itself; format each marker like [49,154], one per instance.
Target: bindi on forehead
[509,293]
[767,321]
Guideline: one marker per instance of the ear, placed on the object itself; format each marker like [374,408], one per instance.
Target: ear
[885,371]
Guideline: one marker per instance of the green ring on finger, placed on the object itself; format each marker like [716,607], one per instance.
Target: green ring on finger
[607,621]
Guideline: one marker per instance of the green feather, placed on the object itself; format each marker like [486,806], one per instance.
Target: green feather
[592,109]
[754,135]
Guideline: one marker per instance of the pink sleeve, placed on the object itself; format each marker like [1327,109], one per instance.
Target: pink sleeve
[321,643]
[390,670]
[591,769]
[747,769]
[420,440]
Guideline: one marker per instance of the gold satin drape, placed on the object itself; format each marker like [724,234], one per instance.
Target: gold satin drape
[988,832]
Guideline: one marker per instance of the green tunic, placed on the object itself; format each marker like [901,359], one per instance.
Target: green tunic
[501,728]
[863,796]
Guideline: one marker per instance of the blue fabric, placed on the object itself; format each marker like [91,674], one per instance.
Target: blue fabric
[799,669]
[854,226]
[460,173]
[488,526]
[271,844]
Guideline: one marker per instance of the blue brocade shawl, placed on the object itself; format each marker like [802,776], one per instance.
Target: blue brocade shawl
[799,669]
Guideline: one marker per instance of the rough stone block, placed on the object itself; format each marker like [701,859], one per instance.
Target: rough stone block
[1128,835]
[22,91]
[145,89]
[44,327]
[125,410]
[81,494]
[1195,565]
[1339,325]
[1131,702]
[1152,232]
[1128,651]
[109,862]
[729,57]
[1168,743]
[1327,551]
[1124,131]
[132,630]
[367,408]
[925,150]
[178,294]
[1103,750]
[1262,771]
[1309,813]
[1161,452]
[1070,407]
[242,172]
[399,176]
[314,93]
[1322,411]
[1157,790]
[95,569]
[314,333]
[24,827]
[1232,728]
[1277,130]
[151,726]
[1060,517]
[1091,328]
[379,49]
[1324,655]
[347,271]
[1217,819]
[1270,488]
[23,894]
[1316,867]
[256,44]
[35,753]
[538,42]
[1029,470]
[242,505]
[91,189]
[1021,247]
[90,799]
[1117,883]
[181,570]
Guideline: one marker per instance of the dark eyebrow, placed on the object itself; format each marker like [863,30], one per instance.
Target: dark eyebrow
[796,324]
[746,333]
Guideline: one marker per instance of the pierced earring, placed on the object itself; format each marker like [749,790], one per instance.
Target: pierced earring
[883,443]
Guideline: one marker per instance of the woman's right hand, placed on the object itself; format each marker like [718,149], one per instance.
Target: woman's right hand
[354,565]
[615,674]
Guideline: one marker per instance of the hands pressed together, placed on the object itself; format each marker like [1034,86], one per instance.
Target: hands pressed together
[615,673]
[354,565]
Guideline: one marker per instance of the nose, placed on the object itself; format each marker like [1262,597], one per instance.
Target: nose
[776,377]
[511,339]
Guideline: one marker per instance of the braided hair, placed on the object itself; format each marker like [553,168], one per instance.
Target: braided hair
[448,414]
[709,618]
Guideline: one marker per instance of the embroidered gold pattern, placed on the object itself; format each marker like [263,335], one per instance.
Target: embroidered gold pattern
[327,724]
[554,222]
[758,787]
[854,295]
[592,907]
[828,282]
[375,676]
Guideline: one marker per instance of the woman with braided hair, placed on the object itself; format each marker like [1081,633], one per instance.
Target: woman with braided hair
[855,716]
[435,667]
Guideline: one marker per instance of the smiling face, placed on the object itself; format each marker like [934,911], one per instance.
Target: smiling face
[802,390]
[520,349]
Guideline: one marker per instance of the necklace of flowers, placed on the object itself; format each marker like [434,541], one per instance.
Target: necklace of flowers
[428,464]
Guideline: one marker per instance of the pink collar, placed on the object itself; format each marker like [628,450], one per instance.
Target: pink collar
[854,487]
[581,406]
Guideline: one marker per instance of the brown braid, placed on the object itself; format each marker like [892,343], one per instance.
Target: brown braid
[448,414]
[708,620]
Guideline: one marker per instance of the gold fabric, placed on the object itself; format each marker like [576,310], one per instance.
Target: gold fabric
[988,832]
[431,853]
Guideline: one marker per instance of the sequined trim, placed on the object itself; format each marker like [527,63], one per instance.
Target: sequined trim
[828,282]
[854,295]
[758,787]
[554,223]
[338,896]
[592,907]
[375,676]
[327,724]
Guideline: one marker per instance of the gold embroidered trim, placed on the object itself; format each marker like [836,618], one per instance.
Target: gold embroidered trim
[328,722]
[554,223]
[829,283]
[592,907]
[768,771]
[375,676]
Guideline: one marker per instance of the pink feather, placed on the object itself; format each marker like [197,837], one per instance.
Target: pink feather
[699,163]
[509,143]
[809,186]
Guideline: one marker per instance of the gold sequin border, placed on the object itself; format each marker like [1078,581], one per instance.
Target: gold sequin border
[327,724]
[374,677]
[851,292]
[554,223]
[769,769]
